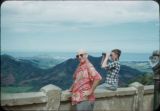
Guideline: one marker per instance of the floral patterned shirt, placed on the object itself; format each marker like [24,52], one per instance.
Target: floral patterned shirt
[84,77]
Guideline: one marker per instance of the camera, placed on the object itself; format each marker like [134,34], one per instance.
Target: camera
[103,57]
[103,54]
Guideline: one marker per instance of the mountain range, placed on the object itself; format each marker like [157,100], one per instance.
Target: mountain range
[23,72]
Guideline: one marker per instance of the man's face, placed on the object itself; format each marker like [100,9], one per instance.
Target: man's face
[113,56]
[81,57]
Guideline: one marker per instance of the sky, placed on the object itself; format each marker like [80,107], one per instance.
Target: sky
[132,26]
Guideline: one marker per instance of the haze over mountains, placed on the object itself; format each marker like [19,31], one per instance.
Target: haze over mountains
[38,72]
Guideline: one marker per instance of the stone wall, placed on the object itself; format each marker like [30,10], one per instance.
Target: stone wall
[136,97]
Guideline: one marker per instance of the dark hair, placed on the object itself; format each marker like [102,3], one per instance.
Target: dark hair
[117,51]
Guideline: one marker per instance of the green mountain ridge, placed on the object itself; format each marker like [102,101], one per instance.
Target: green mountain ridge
[23,73]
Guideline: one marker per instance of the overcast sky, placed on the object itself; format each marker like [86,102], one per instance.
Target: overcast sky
[132,26]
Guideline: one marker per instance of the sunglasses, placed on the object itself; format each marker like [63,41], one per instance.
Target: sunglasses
[77,56]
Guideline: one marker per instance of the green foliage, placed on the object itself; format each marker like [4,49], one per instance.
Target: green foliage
[145,79]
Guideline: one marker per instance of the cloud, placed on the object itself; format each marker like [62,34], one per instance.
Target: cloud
[84,12]
[26,23]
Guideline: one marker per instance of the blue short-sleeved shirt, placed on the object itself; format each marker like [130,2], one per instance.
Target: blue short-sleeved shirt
[113,69]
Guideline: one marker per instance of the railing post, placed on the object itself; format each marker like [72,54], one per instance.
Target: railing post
[139,97]
[53,94]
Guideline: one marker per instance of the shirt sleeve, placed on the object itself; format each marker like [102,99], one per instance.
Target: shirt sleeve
[94,75]
[112,65]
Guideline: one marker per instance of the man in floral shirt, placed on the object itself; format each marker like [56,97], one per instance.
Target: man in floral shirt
[86,79]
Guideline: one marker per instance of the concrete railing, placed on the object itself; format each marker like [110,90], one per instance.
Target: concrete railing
[136,97]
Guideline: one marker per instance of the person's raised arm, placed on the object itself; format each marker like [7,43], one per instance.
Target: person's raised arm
[105,62]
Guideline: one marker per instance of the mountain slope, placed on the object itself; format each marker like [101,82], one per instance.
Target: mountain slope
[43,62]
[23,73]
[17,71]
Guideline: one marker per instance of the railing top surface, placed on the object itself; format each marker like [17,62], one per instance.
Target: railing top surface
[40,97]
[22,98]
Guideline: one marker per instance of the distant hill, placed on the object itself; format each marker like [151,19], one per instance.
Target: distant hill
[20,72]
[142,66]
[15,72]
[43,62]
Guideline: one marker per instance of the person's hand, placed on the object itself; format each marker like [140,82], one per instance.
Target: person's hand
[70,90]
[87,93]
[66,90]
[107,54]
